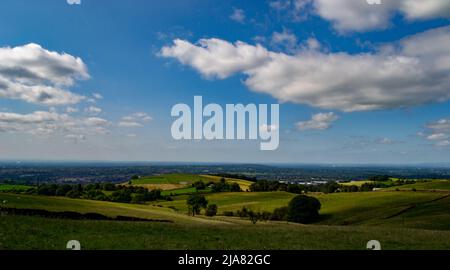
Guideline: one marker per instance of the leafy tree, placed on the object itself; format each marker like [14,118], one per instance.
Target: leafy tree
[195,203]
[47,190]
[138,198]
[62,190]
[211,210]
[74,194]
[303,209]
[280,213]
[123,195]
[199,185]
[366,187]
[108,186]
[254,217]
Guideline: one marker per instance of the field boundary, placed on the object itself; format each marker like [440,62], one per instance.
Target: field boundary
[72,215]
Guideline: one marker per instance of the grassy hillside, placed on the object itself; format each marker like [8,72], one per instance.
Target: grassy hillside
[39,233]
[425,185]
[88,206]
[374,208]
[233,201]
[399,219]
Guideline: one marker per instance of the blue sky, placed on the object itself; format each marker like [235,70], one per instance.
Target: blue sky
[115,104]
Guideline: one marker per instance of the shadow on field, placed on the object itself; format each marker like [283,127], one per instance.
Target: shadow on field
[71,215]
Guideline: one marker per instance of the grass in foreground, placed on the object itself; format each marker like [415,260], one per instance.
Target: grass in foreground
[39,233]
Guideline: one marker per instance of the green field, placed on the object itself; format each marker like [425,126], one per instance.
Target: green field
[355,183]
[24,233]
[181,191]
[179,184]
[399,219]
[13,188]
[426,185]
[233,201]
[381,208]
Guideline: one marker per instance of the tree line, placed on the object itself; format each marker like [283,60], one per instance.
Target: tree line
[101,192]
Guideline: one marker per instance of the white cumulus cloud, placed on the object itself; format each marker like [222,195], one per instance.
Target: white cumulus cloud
[320,121]
[410,72]
[358,15]
[36,75]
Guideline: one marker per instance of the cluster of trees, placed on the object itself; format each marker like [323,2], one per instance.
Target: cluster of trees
[237,176]
[265,185]
[221,186]
[329,187]
[197,202]
[301,209]
[117,193]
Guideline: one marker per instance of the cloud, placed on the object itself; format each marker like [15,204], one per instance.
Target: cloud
[351,15]
[36,75]
[71,110]
[238,15]
[320,121]
[93,110]
[74,2]
[295,10]
[97,96]
[438,132]
[410,72]
[386,141]
[216,58]
[33,118]
[135,120]
[129,124]
[50,123]
[284,39]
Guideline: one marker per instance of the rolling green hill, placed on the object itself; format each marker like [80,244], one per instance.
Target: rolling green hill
[22,233]
[399,219]
[233,201]
[425,185]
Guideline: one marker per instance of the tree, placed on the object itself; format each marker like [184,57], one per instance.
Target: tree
[195,203]
[211,210]
[62,190]
[199,185]
[123,195]
[138,198]
[254,217]
[74,194]
[303,209]
[366,187]
[279,213]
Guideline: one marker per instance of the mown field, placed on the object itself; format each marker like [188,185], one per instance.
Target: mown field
[403,219]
